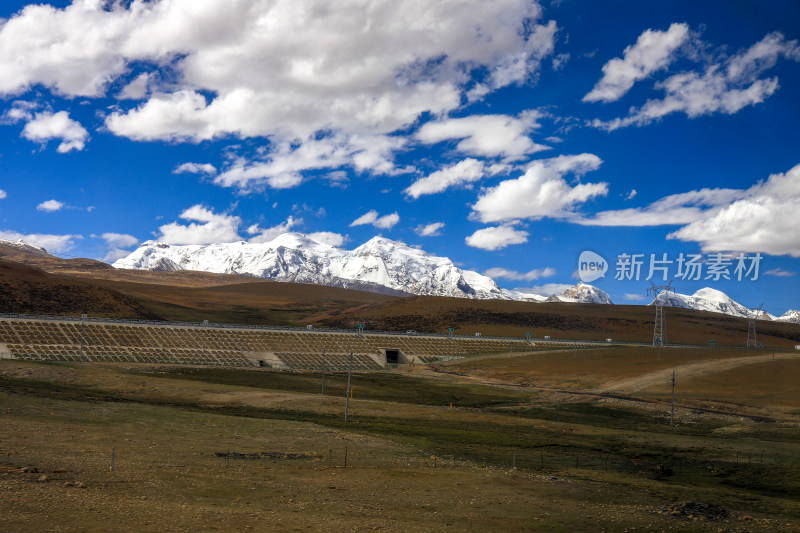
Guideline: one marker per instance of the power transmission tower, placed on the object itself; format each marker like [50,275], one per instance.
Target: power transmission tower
[659,330]
[752,315]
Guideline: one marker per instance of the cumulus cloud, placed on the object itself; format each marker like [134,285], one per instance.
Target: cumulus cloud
[116,243]
[286,65]
[654,50]
[532,275]
[120,240]
[195,168]
[387,221]
[50,206]
[371,217]
[268,234]
[541,192]
[328,237]
[367,218]
[204,227]
[486,135]
[51,243]
[496,238]
[46,125]
[433,229]
[463,172]
[137,88]
[3,194]
[285,163]
[725,86]
[763,219]
[292,71]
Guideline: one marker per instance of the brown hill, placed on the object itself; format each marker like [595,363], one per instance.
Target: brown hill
[24,289]
[629,323]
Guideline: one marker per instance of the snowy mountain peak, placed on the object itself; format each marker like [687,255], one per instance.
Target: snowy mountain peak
[708,299]
[582,293]
[791,315]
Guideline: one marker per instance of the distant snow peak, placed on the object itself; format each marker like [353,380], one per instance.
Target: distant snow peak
[582,293]
[22,245]
[791,315]
[379,264]
[713,300]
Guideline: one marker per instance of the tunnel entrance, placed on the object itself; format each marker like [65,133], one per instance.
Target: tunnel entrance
[392,356]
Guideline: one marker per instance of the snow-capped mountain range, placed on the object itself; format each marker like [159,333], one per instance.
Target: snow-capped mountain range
[708,299]
[381,265]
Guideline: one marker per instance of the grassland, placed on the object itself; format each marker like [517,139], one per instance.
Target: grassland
[532,442]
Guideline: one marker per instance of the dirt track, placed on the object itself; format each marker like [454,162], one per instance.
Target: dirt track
[691,370]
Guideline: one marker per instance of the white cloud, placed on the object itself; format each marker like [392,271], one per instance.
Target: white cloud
[486,135]
[631,195]
[387,221]
[45,126]
[138,88]
[763,219]
[294,71]
[195,168]
[51,243]
[429,230]
[560,61]
[546,289]
[268,234]
[50,206]
[120,240]
[681,208]
[117,242]
[496,238]
[285,163]
[371,217]
[3,194]
[205,227]
[367,218]
[500,272]
[328,237]
[540,192]
[289,65]
[114,254]
[779,272]
[653,51]
[726,86]
[633,297]
[463,172]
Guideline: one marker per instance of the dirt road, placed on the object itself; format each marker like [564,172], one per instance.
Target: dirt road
[691,370]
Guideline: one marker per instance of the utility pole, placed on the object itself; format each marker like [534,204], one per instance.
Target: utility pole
[80,354]
[672,413]
[347,398]
[323,371]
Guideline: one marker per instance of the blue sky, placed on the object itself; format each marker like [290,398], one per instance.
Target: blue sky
[509,136]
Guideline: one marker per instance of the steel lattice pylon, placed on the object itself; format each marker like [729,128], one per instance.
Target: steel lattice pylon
[660,329]
[752,315]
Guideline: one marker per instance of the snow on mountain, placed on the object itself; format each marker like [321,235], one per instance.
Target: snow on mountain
[790,316]
[708,299]
[524,296]
[378,263]
[582,293]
